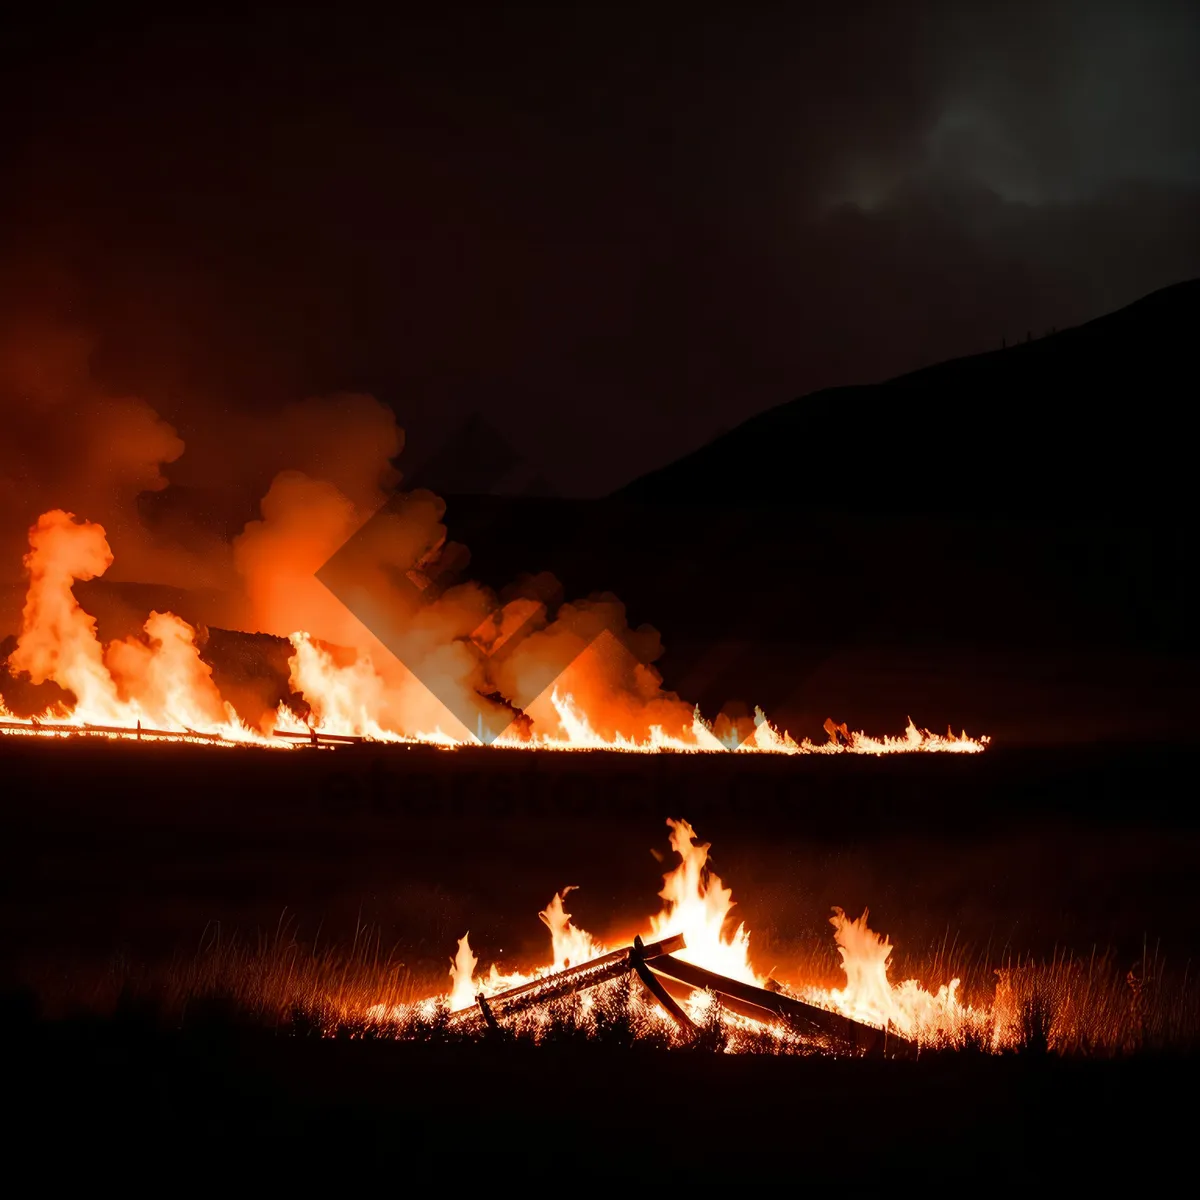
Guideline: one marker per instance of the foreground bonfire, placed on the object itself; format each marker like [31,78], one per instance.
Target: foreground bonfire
[694,968]
[158,686]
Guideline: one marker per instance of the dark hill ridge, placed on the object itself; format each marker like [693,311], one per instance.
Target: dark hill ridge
[1002,541]
[1099,417]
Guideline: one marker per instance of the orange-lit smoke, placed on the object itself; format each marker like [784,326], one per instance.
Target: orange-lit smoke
[58,639]
[413,670]
[589,653]
[407,648]
[159,680]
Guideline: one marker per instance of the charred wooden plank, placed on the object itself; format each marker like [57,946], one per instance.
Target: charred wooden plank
[131,731]
[681,991]
[656,950]
[562,983]
[315,736]
[140,732]
[551,988]
[488,1015]
[637,956]
[807,1017]
[651,952]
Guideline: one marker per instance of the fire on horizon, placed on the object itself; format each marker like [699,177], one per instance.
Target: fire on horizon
[158,685]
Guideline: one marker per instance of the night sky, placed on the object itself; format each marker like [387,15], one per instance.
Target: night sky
[614,232]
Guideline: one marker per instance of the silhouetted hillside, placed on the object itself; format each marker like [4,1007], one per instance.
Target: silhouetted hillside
[1095,419]
[1000,541]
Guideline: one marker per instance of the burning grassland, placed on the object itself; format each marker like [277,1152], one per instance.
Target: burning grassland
[1092,1005]
[693,948]
[693,978]
[294,527]
[570,682]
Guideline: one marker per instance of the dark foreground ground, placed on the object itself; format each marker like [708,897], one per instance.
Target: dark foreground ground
[114,1097]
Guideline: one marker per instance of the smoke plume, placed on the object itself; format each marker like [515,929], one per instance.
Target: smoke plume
[245,514]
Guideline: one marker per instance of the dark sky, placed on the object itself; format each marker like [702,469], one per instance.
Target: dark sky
[613,231]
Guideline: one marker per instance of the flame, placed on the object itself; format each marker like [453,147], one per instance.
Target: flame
[571,946]
[697,904]
[158,685]
[463,988]
[867,995]
[58,639]
[870,997]
[351,700]
[160,682]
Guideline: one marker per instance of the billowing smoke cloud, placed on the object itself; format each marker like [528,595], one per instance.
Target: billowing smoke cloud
[158,677]
[419,649]
[67,443]
[407,643]
[590,653]
[170,504]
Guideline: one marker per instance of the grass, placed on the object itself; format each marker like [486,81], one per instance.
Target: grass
[1070,1005]
[266,981]
[1095,1005]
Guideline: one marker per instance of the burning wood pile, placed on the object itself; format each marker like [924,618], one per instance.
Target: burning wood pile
[691,958]
[667,980]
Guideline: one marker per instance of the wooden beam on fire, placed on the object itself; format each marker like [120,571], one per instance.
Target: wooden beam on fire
[666,977]
[316,737]
[572,979]
[137,731]
[485,1009]
[549,988]
[651,982]
[762,1005]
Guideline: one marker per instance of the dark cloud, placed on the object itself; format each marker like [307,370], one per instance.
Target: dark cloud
[614,231]
[1070,100]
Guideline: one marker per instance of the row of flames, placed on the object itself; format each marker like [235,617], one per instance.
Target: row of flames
[158,685]
[698,905]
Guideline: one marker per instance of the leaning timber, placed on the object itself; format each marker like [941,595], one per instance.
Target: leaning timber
[573,979]
[762,1005]
[668,979]
[640,960]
